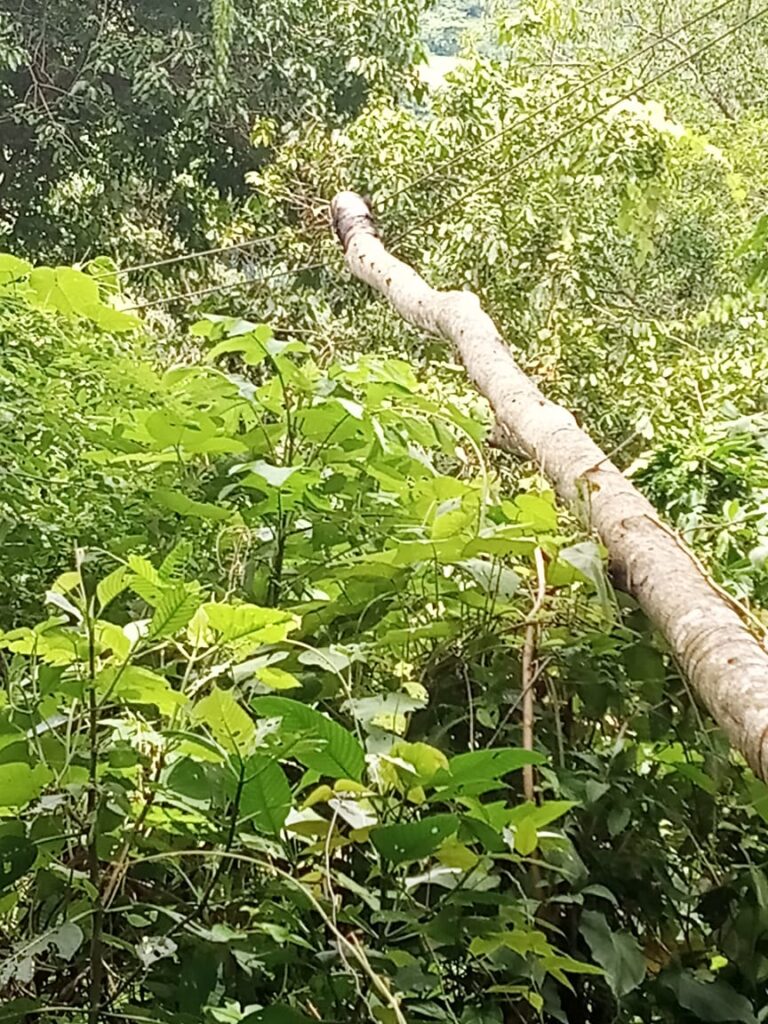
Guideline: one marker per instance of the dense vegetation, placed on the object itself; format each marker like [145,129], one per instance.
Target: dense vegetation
[265,587]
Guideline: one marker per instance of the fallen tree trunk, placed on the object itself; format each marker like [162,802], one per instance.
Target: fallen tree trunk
[725,664]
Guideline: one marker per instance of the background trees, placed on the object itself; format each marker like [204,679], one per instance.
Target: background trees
[136,123]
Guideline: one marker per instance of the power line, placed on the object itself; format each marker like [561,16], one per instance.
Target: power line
[470,151]
[255,243]
[202,292]
[231,247]
[555,140]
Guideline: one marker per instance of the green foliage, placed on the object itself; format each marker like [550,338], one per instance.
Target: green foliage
[137,132]
[260,755]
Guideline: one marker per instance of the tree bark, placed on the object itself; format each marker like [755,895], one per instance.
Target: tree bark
[724,662]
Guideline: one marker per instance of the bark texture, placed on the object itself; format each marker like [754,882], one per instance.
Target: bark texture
[723,661]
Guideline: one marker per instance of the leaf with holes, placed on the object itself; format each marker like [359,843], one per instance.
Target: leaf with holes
[413,840]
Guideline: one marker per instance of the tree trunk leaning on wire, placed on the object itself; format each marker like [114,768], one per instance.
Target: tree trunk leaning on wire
[725,664]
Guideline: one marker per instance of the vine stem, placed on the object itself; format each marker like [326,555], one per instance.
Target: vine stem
[529,673]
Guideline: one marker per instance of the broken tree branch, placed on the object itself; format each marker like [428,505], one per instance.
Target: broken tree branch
[725,664]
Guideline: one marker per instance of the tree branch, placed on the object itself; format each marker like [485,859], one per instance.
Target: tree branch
[726,666]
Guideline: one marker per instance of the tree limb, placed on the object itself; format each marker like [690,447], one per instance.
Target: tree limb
[726,665]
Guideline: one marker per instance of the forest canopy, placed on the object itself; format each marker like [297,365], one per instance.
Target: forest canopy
[273,600]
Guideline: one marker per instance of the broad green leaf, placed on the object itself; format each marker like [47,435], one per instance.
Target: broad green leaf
[542,815]
[66,582]
[478,765]
[697,776]
[519,940]
[67,939]
[266,795]
[274,476]
[17,855]
[230,725]
[644,663]
[190,778]
[526,837]
[709,1001]
[758,797]
[536,511]
[493,577]
[20,783]
[12,268]
[135,684]
[454,854]
[340,756]
[556,964]
[330,659]
[110,637]
[616,952]
[64,289]
[277,1013]
[111,586]
[587,559]
[249,624]
[173,564]
[431,631]
[277,678]
[110,319]
[413,840]
[385,705]
[426,760]
[250,346]
[452,521]
[144,568]
[173,611]
[17,1011]
[185,506]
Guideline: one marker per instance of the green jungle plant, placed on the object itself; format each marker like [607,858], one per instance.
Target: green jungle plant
[307,750]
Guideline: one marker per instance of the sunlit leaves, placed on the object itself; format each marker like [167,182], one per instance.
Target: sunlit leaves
[74,293]
[338,755]
[183,505]
[12,268]
[111,586]
[247,626]
[480,765]
[173,611]
[134,684]
[21,782]
[221,714]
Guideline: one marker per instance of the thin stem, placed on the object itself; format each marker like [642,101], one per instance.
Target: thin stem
[97,961]
[530,646]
